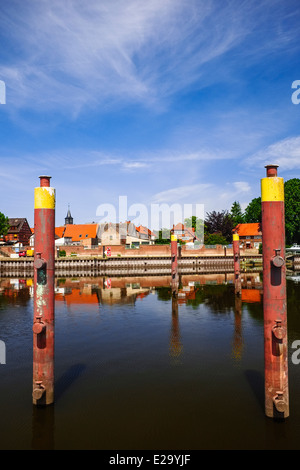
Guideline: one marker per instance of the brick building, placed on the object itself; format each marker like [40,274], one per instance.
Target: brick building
[19,231]
[250,235]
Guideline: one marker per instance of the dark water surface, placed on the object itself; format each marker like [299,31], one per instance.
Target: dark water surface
[136,370]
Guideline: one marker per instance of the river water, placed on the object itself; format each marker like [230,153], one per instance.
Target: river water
[135,369]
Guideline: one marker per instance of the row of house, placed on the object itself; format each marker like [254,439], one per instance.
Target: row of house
[126,233]
[90,235]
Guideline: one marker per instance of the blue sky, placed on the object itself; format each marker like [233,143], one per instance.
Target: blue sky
[161,102]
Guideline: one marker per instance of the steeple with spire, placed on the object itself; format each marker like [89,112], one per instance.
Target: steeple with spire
[68,218]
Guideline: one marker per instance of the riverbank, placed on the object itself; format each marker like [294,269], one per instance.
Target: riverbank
[150,265]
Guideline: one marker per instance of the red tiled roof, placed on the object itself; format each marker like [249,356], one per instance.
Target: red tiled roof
[59,231]
[144,230]
[80,231]
[183,227]
[248,229]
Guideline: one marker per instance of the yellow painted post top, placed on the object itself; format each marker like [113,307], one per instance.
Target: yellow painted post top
[173,238]
[272,189]
[44,198]
[235,237]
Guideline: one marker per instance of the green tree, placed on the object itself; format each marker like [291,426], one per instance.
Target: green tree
[196,224]
[236,213]
[252,212]
[214,239]
[292,210]
[4,225]
[164,237]
[220,223]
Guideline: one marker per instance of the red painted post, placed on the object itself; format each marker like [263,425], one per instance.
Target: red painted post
[236,262]
[43,315]
[174,266]
[274,295]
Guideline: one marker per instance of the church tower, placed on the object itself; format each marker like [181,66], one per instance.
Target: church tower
[68,218]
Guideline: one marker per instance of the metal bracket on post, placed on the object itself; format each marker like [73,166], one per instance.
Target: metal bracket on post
[278,334]
[39,391]
[38,326]
[277,260]
[40,264]
[279,402]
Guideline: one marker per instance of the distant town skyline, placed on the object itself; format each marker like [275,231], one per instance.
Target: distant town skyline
[159,102]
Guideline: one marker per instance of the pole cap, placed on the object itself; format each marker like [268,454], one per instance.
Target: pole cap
[271,170]
[44,180]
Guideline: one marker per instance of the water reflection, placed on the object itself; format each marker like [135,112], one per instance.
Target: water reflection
[124,343]
[43,428]
[193,290]
[175,339]
[237,344]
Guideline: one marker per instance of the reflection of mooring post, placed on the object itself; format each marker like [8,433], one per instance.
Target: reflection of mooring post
[175,344]
[43,318]
[274,295]
[236,258]
[174,267]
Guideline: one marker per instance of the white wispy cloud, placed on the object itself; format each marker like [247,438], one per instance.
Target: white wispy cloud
[192,194]
[241,186]
[285,153]
[72,54]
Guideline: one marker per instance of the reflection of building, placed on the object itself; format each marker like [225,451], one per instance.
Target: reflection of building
[251,295]
[89,292]
[250,235]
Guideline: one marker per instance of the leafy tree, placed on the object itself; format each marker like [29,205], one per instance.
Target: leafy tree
[163,237]
[236,213]
[196,224]
[219,222]
[292,210]
[252,212]
[4,225]
[214,239]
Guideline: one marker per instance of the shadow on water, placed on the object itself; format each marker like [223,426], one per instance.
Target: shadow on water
[257,383]
[67,379]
